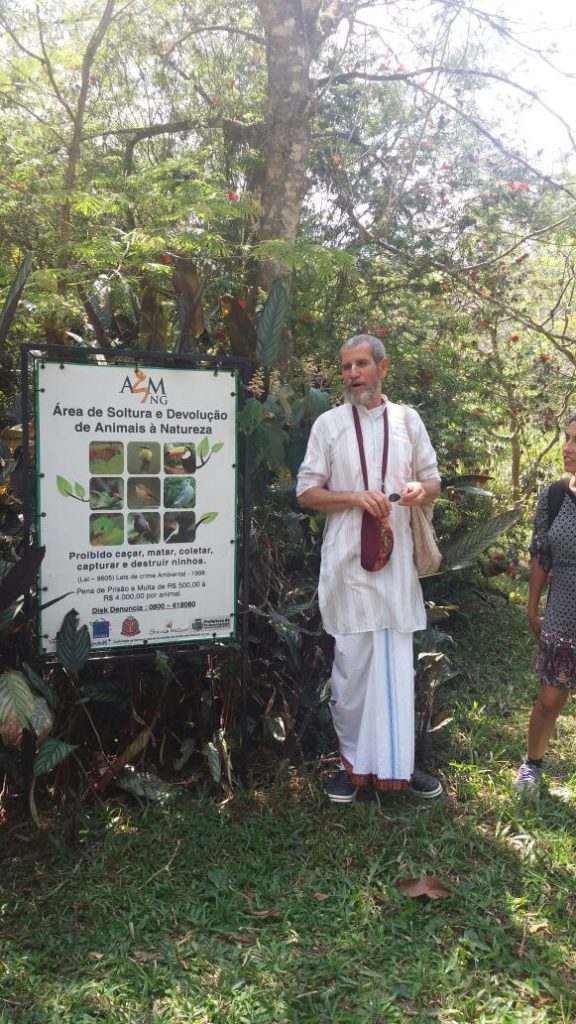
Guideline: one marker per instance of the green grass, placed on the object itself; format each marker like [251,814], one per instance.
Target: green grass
[150,918]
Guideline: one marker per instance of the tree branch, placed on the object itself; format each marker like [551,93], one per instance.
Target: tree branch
[232,29]
[49,71]
[407,76]
[563,342]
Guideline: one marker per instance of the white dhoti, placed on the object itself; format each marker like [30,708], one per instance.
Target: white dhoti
[372,706]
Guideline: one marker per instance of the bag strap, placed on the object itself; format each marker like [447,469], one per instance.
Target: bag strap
[360,441]
[556,494]
[407,425]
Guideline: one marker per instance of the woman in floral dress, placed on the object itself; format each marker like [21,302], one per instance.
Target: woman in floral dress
[553,551]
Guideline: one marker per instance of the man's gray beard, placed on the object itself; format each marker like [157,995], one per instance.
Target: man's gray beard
[363,397]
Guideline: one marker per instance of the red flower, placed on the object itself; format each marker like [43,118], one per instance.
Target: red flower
[545,358]
[165,259]
[233,196]
[518,186]
[242,303]
[514,337]
[496,556]
[381,331]
[18,186]
[306,316]
[484,323]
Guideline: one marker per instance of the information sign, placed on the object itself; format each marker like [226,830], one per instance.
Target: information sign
[137,501]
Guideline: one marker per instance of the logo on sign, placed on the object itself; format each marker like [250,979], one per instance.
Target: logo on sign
[130,626]
[146,387]
[100,629]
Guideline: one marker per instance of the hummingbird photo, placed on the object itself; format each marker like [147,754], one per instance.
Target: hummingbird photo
[106,493]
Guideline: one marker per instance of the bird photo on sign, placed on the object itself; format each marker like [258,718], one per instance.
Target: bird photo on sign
[143,492]
[106,492]
[143,528]
[106,530]
[179,459]
[144,458]
[181,527]
[179,492]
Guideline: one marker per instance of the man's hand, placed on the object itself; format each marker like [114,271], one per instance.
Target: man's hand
[413,494]
[374,502]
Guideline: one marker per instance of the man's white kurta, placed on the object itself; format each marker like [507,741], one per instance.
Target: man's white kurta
[351,599]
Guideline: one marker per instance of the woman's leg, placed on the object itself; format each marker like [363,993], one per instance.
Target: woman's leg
[549,704]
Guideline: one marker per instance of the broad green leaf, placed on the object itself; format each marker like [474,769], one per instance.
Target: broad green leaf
[13,297]
[16,699]
[146,785]
[271,325]
[64,487]
[465,550]
[107,691]
[318,402]
[72,644]
[101,301]
[208,517]
[217,447]
[203,448]
[38,684]
[269,442]
[79,490]
[250,416]
[51,753]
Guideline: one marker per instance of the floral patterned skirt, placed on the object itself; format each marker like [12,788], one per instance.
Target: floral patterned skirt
[556,664]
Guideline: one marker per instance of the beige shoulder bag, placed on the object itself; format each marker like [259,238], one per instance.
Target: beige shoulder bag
[427,554]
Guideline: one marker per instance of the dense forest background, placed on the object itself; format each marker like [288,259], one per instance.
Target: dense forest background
[166,170]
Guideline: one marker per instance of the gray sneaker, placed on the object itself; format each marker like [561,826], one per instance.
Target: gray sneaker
[340,790]
[528,778]
[425,786]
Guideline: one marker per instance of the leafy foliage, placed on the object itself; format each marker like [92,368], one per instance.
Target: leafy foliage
[463,551]
[16,701]
[50,753]
[73,643]
[271,325]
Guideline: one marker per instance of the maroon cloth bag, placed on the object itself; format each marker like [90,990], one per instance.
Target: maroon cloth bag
[376,536]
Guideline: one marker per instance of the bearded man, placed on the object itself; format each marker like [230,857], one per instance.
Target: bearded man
[372,615]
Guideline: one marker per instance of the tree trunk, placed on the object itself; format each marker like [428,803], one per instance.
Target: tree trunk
[290,33]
